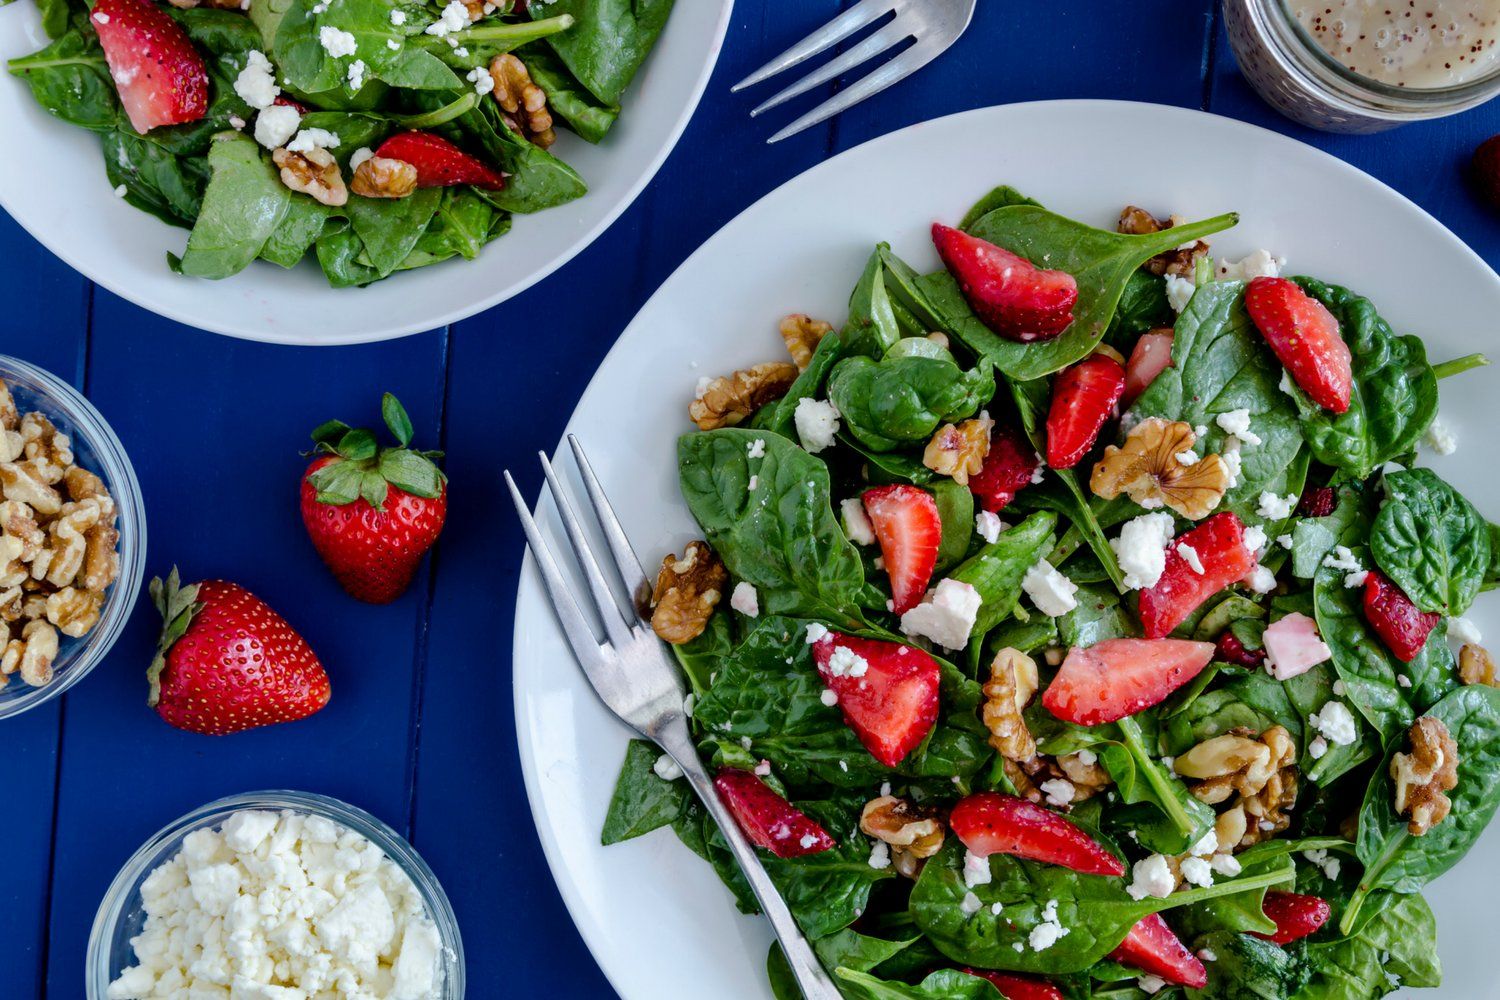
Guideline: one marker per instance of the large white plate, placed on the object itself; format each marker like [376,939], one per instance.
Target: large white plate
[656,917]
[58,192]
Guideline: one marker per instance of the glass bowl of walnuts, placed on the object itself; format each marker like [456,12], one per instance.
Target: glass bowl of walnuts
[72,536]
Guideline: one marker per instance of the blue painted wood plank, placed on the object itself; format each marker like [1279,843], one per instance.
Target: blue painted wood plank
[46,324]
[214,428]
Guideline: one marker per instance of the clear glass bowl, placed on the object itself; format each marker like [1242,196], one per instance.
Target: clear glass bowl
[96,448]
[121,918]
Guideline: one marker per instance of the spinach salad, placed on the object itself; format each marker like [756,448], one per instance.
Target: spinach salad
[1077,621]
[374,135]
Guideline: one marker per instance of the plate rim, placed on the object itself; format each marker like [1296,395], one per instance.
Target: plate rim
[527,584]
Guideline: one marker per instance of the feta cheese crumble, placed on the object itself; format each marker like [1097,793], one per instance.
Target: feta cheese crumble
[976,870]
[483,83]
[946,616]
[1254,540]
[1049,589]
[745,599]
[828,697]
[1191,557]
[120,190]
[845,662]
[1142,548]
[1261,580]
[1335,723]
[1059,791]
[970,904]
[313,138]
[1439,437]
[356,74]
[1237,422]
[1319,857]
[816,632]
[339,43]
[817,423]
[856,522]
[1050,931]
[989,526]
[1179,292]
[756,448]
[666,768]
[359,156]
[1259,264]
[455,17]
[1275,508]
[1151,876]
[1463,632]
[256,83]
[1341,558]
[275,125]
[1197,871]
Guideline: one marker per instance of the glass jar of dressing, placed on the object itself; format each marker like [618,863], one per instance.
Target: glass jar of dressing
[1367,65]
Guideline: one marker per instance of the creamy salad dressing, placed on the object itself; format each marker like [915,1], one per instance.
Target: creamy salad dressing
[1421,44]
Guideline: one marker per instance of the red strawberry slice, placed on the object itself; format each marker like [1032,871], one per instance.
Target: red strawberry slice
[1014,987]
[1229,649]
[996,823]
[1083,398]
[161,78]
[888,692]
[1296,915]
[1317,501]
[1009,293]
[284,101]
[1152,947]
[769,820]
[1304,336]
[907,524]
[439,163]
[1151,356]
[1007,469]
[1401,625]
[1119,677]
[1219,543]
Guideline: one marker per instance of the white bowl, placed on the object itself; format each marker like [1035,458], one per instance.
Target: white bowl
[59,194]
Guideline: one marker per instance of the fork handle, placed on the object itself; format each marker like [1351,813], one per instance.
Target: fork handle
[815,982]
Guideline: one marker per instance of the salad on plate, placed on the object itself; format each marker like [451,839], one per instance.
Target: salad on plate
[375,136]
[1079,621]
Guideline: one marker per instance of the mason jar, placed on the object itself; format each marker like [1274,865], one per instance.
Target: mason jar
[1294,74]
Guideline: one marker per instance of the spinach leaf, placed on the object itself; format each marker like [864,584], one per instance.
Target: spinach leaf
[995,571]
[566,98]
[299,229]
[156,180]
[945,984]
[1401,939]
[1140,779]
[307,66]
[463,224]
[54,16]
[71,81]
[1313,538]
[242,206]
[1101,262]
[1395,392]
[871,328]
[780,416]
[1396,860]
[1220,363]
[901,401]
[998,197]
[486,39]
[1094,909]
[338,251]
[535,179]
[1430,540]
[1143,307]
[1248,968]
[955,506]
[642,802]
[780,533]
[1099,616]
[608,42]
[829,890]
[391,227]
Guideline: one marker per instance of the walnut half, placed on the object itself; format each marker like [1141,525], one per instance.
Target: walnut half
[731,399]
[687,591]
[802,335]
[913,835]
[314,173]
[959,450]
[1258,771]
[1475,666]
[384,177]
[1424,774]
[1012,684]
[1157,466]
[1180,261]
[524,103]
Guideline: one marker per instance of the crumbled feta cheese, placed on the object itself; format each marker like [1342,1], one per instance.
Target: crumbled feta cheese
[1179,292]
[1293,646]
[1142,548]
[1234,462]
[359,156]
[398,17]
[237,123]
[1339,689]
[1463,632]
[100,17]
[880,856]
[1439,437]
[1047,933]
[356,74]
[339,43]
[1237,422]
[666,768]
[756,448]
[1059,791]
[754,483]
[276,124]
[856,522]
[1317,748]
[1087,757]
[745,600]
[688,703]
[817,423]
[1336,723]
[816,632]
[970,904]
[996,908]
[455,17]
[1286,384]
[1341,558]
[1275,508]
[988,526]
[1225,864]
[1191,557]
[1189,457]
[1321,858]
[256,83]
[1049,589]
[828,697]
[1150,984]
[1285,541]
[1254,540]
[1206,845]
[120,190]
[309,139]
[976,870]
[1259,264]
[1261,580]
[393,45]
[1151,876]
[1197,871]
[946,616]
[1039,472]
[483,83]
[1207,955]
[845,662]
[1403,680]
[763,769]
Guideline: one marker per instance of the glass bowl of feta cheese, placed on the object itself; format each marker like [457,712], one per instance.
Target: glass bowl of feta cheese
[278,894]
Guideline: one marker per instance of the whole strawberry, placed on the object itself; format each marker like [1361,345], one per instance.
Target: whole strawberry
[226,662]
[372,512]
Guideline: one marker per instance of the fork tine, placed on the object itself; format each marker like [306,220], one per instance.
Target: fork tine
[896,70]
[892,34]
[841,27]
[615,624]
[575,626]
[626,561]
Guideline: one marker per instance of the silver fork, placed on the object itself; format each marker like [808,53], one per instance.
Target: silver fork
[639,681]
[934,24]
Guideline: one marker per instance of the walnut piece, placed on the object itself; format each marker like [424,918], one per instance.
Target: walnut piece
[524,103]
[802,335]
[74,612]
[1085,772]
[314,173]
[383,177]
[731,399]
[687,591]
[32,654]
[959,450]
[1012,684]
[1150,469]
[913,834]
[1181,261]
[1260,771]
[49,451]
[22,481]
[10,417]
[1475,665]
[1424,774]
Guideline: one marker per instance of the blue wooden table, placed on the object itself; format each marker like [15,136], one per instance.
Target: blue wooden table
[420,728]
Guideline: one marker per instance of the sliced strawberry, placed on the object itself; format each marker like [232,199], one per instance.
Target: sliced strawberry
[1219,543]
[1083,398]
[769,820]
[1401,625]
[888,692]
[1014,987]
[1296,915]
[907,524]
[284,101]
[161,78]
[1229,649]
[1152,947]
[1119,677]
[995,823]
[1008,469]
[1151,356]
[1317,501]
[439,163]
[1009,293]
[1305,338]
